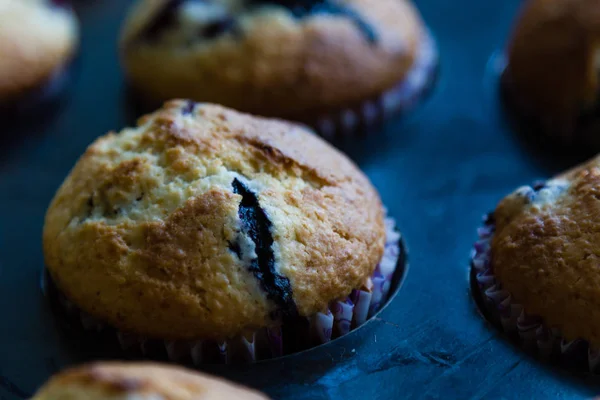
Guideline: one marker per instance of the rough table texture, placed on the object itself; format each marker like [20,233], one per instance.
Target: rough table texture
[438,171]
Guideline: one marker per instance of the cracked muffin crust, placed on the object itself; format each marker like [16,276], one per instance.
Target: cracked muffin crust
[545,249]
[553,68]
[37,39]
[121,381]
[294,59]
[205,223]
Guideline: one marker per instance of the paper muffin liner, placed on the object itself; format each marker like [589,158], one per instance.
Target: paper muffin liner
[340,318]
[501,308]
[402,97]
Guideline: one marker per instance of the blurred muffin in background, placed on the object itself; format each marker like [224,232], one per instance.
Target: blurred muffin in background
[120,381]
[339,65]
[553,66]
[38,39]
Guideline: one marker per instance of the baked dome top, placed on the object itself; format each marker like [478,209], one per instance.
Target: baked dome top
[203,222]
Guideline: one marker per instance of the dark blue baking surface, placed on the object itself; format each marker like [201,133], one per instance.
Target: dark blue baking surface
[438,171]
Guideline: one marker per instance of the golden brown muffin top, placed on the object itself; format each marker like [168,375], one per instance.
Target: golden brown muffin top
[139,381]
[36,39]
[546,250]
[554,60]
[206,223]
[281,60]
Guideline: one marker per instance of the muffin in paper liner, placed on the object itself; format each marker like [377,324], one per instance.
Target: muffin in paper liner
[560,102]
[206,223]
[399,99]
[339,319]
[512,318]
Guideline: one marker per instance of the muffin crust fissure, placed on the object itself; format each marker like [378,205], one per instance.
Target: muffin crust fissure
[545,251]
[257,226]
[165,230]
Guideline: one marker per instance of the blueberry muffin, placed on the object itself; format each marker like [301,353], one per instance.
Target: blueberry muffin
[204,224]
[536,260]
[552,72]
[119,381]
[37,40]
[315,61]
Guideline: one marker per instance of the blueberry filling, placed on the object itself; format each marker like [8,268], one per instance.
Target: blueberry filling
[307,8]
[257,226]
[89,208]
[538,185]
[236,249]
[188,108]
[218,28]
[490,219]
[166,17]
[546,191]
